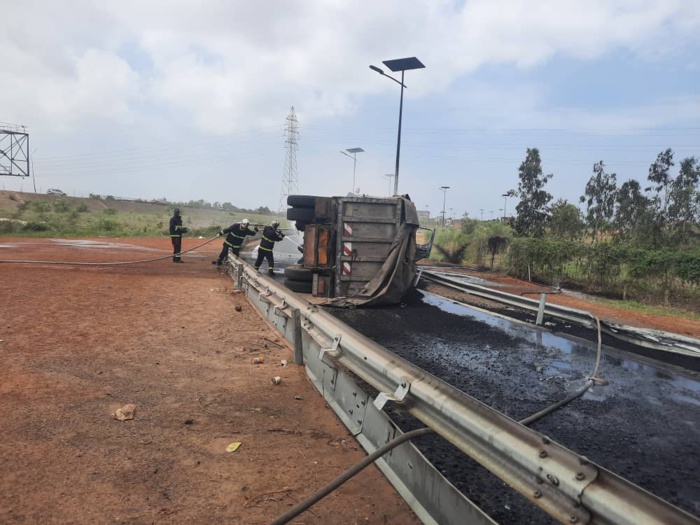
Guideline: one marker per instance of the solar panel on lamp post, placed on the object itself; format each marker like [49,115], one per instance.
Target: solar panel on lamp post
[403,65]
[354,152]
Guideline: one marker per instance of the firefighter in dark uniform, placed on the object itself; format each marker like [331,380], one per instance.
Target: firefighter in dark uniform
[235,235]
[176,231]
[271,234]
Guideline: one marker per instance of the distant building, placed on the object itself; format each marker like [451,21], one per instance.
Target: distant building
[423,214]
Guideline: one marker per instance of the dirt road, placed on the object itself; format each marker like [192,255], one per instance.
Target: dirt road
[80,342]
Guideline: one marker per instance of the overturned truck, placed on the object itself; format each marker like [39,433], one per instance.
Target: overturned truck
[358,250]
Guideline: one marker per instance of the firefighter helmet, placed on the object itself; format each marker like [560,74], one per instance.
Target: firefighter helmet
[245,222]
[275,224]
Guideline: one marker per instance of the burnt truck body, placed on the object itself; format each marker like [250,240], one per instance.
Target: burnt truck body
[358,250]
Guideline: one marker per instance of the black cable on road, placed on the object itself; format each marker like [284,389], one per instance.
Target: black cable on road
[118,263]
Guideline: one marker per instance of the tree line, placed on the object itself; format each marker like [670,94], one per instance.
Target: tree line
[628,240]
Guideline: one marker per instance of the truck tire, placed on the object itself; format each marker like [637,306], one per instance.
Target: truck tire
[298,273]
[301,201]
[300,225]
[298,286]
[301,214]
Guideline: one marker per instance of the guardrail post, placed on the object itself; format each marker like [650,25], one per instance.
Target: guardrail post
[239,276]
[296,330]
[540,311]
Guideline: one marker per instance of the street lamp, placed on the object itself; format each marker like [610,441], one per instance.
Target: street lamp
[505,202]
[444,198]
[354,152]
[389,176]
[403,65]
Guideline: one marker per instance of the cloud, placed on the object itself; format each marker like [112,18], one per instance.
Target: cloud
[226,66]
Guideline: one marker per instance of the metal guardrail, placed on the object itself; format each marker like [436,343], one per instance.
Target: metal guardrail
[564,484]
[653,339]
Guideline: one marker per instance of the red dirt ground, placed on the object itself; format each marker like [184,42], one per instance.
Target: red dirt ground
[79,342]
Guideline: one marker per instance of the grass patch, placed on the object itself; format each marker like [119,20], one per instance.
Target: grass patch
[635,306]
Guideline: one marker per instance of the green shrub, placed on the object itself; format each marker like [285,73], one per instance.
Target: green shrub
[41,206]
[61,206]
[36,227]
[83,207]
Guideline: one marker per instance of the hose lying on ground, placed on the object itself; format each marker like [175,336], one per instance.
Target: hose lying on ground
[118,263]
[345,476]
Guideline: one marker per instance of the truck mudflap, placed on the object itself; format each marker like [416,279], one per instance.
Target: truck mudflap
[395,277]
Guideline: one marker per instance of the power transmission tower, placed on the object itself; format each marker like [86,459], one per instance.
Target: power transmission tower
[290,178]
[14,150]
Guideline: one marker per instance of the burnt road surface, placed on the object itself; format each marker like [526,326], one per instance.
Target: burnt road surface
[644,425]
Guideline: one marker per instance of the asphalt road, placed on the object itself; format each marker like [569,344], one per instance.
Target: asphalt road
[644,425]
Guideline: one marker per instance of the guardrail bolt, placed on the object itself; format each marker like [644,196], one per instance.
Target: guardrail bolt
[580,476]
[543,454]
[350,410]
[537,494]
[583,461]
[573,518]
[403,385]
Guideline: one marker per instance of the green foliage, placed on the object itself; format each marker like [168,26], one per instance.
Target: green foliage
[544,259]
[600,196]
[107,225]
[450,245]
[61,206]
[566,222]
[40,206]
[533,208]
[36,227]
[469,226]
[109,211]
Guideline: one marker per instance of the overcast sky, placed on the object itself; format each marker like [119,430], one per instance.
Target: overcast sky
[188,100]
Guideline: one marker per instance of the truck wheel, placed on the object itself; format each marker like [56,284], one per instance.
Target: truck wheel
[302,201]
[301,214]
[298,286]
[298,273]
[300,225]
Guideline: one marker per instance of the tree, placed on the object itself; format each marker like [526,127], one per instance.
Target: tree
[633,215]
[683,211]
[601,191]
[533,208]
[660,176]
[566,221]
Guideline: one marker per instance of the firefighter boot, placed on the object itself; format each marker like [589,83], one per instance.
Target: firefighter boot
[271,272]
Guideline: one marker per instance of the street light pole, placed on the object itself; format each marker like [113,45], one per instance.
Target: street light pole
[505,202]
[444,199]
[403,65]
[33,172]
[354,152]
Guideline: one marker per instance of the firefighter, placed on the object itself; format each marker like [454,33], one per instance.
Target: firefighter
[271,234]
[176,231]
[235,235]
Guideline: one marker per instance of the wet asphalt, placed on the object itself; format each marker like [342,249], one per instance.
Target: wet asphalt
[644,425]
